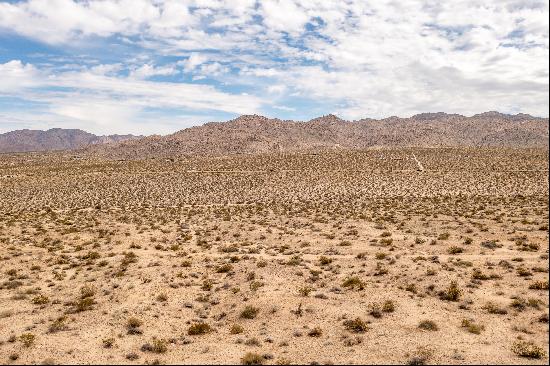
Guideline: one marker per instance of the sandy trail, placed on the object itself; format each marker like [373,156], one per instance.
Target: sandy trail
[420,166]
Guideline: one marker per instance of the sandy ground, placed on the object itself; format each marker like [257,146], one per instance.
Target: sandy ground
[344,257]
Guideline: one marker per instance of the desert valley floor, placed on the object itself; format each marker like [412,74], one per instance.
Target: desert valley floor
[400,256]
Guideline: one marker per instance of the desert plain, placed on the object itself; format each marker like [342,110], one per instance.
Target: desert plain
[391,255]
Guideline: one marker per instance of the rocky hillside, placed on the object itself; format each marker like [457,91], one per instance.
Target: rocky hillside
[53,139]
[254,134]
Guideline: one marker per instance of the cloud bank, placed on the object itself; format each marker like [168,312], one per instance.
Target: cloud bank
[153,66]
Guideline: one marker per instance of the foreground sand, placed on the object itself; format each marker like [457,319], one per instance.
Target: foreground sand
[380,256]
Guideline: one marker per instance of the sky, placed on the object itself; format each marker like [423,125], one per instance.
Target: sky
[158,66]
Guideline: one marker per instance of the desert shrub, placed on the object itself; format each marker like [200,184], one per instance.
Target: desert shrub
[84,304]
[353,282]
[87,291]
[199,328]
[375,310]
[315,332]
[133,325]
[132,356]
[255,285]
[224,268]
[528,350]
[443,236]
[108,342]
[236,329]
[305,291]
[207,285]
[58,325]
[251,358]
[40,300]
[478,275]
[491,244]
[249,312]
[156,346]
[420,357]
[162,297]
[524,246]
[411,287]
[27,339]
[539,285]
[428,325]
[493,308]
[524,272]
[294,261]
[92,255]
[388,306]
[386,241]
[472,327]
[252,342]
[380,270]
[356,325]
[519,304]
[452,293]
[455,250]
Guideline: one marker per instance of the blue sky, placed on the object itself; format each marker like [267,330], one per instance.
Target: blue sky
[156,66]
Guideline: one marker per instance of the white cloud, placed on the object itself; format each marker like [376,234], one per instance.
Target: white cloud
[284,15]
[147,70]
[16,76]
[356,58]
[276,89]
[59,21]
[140,92]
[195,59]
[284,108]
[112,101]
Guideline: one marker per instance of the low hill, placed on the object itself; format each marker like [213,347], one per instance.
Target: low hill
[53,139]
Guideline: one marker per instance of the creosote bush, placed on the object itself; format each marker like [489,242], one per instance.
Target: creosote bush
[428,325]
[251,358]
[356,325]
[249,312]
[472,327]
[353,283]
[528,350]
[199,328]
[452,293]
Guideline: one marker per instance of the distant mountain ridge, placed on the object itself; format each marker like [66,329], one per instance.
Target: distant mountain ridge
[54,139]
[258,134]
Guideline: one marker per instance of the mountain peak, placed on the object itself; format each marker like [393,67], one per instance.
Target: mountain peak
[432,116]
[247,118]
[491,114]
[327,119]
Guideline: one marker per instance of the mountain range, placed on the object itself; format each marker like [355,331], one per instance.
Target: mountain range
[258,134]
[54,139]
